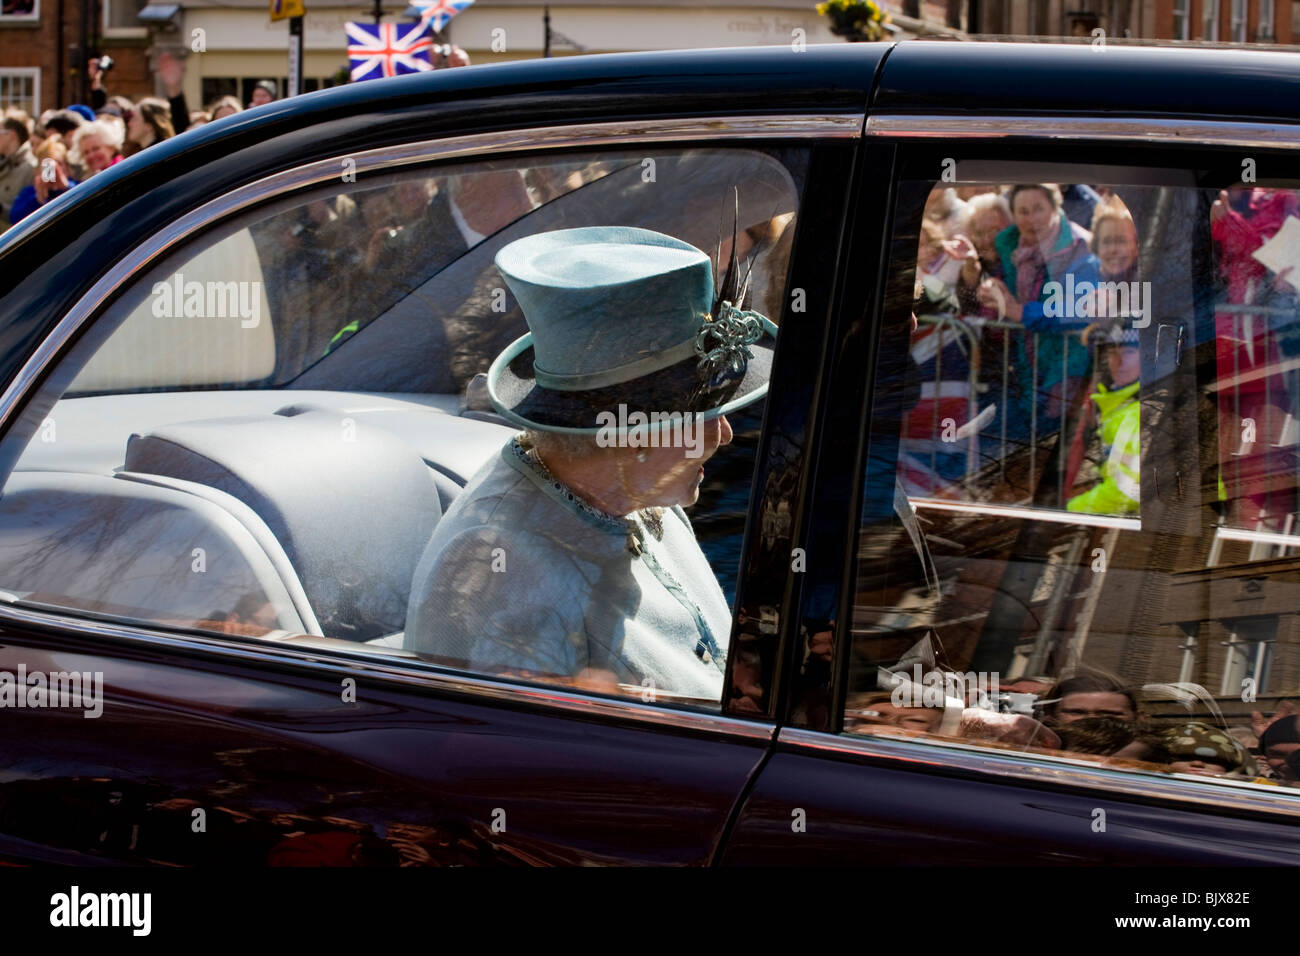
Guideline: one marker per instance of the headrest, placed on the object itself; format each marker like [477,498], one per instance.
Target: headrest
[208,322]
[352,505]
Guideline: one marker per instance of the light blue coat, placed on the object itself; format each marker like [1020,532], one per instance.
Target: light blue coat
[520,577]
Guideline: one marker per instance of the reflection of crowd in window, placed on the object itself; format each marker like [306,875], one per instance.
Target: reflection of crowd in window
[1016,389]
[1094,715]
[1257,393]
[1005,351]
[1028,302]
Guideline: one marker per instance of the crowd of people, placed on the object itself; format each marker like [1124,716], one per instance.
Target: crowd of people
[41,158]
[1005,351]
[997,259]
[1093,713]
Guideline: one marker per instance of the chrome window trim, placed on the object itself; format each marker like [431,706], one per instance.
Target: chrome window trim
[1158,131]
[324,664]
[504,142]
[1040,769]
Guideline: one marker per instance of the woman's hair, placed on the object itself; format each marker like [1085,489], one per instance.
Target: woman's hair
[1110,209]
[948,210]
[223,103]
[52,148]
[1050,190]
[110,133]
[986,201]
[15,126]
[62,122]
[20,115]
[158,115]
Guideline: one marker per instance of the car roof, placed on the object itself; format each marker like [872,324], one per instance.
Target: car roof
[990,78]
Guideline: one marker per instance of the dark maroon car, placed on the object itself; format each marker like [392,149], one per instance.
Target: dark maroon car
[1010,545]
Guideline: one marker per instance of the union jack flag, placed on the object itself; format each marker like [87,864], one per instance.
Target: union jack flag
[437,13]
[388,49]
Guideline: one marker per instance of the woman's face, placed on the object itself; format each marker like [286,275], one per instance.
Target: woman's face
[1116,246]
[672,475]
[225,109]
[96,153]
[1034,214]
[136,127]
[984,228]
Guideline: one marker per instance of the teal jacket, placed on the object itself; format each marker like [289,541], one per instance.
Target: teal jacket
[521,577]
[1056,346]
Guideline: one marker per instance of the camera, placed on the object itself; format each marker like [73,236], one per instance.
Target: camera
[105,63]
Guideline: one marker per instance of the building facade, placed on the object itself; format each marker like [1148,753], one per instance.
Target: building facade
[1231,21]
[228,45]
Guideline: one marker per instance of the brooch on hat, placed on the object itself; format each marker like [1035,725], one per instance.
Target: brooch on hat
[725,341]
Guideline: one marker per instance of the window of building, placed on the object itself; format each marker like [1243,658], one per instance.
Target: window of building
[1182,19]
[1210,20]
[121,17]
[21,10]
[1237,22]
[1267,12]
[21,87]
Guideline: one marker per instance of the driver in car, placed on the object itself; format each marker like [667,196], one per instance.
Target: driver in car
[569,556]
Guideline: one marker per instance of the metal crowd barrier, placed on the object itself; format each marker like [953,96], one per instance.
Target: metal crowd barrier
[970,334]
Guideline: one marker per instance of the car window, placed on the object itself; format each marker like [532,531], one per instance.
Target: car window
[286,430]
[1079,524]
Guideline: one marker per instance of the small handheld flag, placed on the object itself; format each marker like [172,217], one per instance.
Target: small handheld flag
[387,49]
[438,13]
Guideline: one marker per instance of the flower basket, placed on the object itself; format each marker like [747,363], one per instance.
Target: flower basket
[855,20]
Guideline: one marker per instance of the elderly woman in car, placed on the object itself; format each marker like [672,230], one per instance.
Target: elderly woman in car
[569,556]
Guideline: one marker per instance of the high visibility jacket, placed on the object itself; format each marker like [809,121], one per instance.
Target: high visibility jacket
[1121,440]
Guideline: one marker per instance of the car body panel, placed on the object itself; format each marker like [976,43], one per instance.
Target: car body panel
[426,770]
[286,771]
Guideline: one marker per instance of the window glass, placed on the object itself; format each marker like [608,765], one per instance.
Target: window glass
[124,14]
[284,431]
[21,10]
[1092,423]
[1182,19]
[18,88]
[1266,15]
[1210,19]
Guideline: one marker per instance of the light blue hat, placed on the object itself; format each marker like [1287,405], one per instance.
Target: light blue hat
[620,315]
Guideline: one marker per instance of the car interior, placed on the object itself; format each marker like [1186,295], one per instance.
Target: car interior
[259,437]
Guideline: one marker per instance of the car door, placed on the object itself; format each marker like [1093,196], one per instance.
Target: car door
[214,506]
[1054,637]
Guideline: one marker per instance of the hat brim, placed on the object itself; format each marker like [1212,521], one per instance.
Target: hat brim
[679,388]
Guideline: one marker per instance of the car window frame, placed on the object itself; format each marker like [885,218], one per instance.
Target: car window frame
[720,131]
[890,147]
